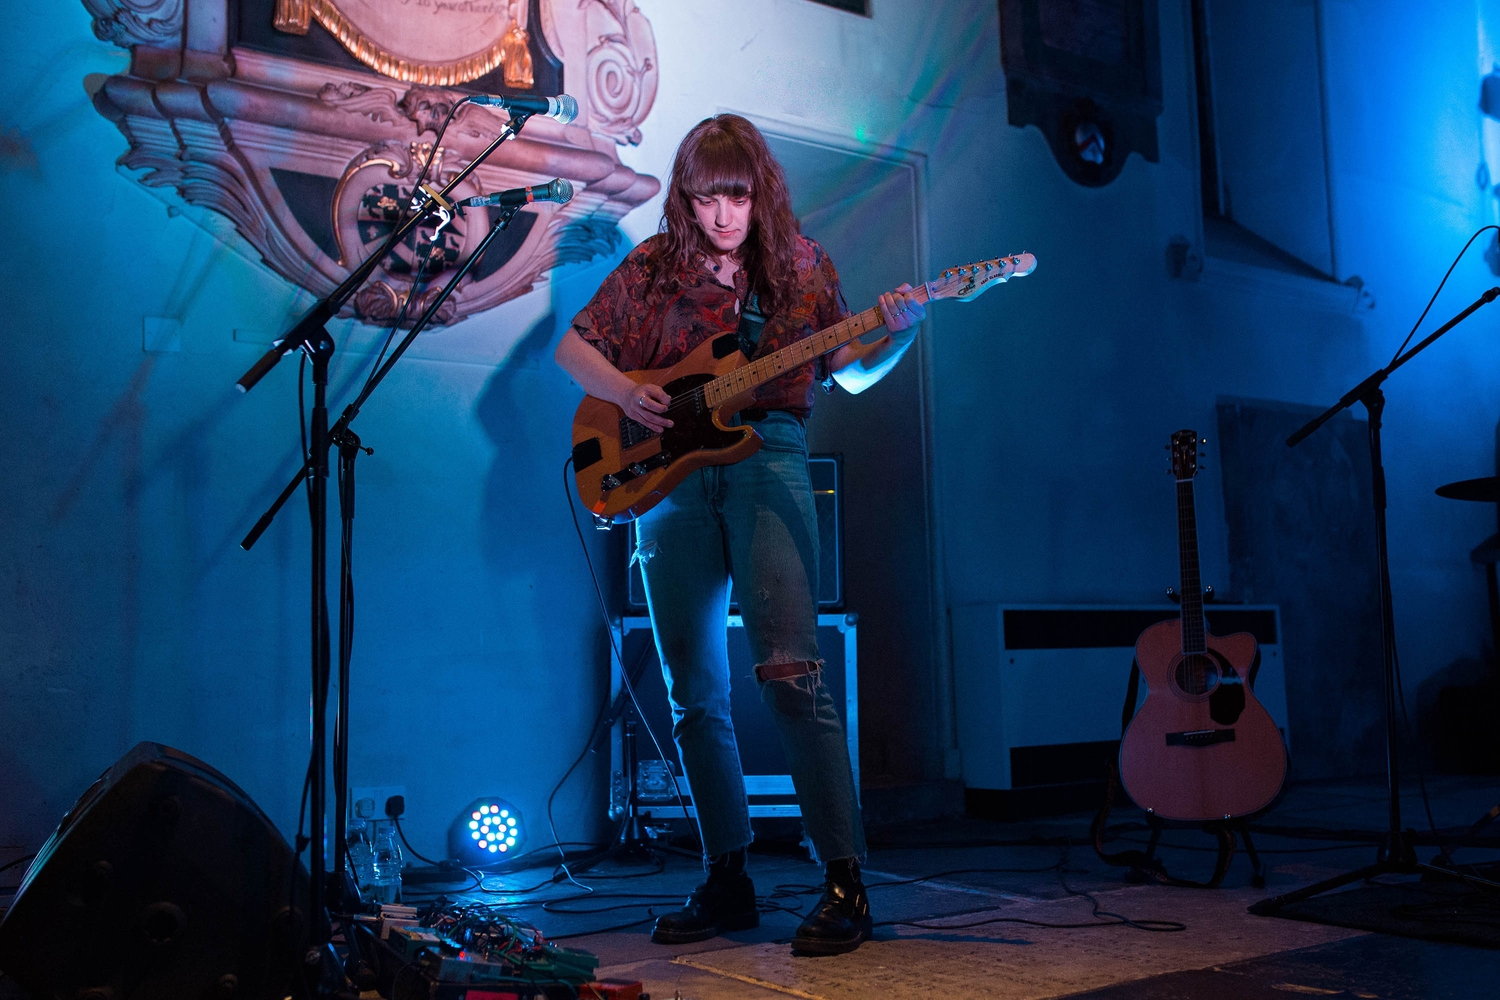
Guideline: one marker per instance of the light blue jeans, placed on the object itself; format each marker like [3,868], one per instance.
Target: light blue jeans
[753,521]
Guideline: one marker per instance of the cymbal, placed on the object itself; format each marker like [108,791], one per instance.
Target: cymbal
[1485,490]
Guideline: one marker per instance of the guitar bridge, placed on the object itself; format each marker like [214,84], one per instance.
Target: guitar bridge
[633,433]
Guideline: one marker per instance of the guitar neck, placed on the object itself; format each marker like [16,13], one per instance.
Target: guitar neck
[760,371]
[1193,630]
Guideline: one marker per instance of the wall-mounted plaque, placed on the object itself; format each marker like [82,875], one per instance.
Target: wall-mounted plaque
[306,122]
[1088,74]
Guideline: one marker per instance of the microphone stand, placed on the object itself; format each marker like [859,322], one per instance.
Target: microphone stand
[1397,852]
[310,336]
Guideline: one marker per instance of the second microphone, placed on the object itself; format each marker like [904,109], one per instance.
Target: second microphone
[558,190]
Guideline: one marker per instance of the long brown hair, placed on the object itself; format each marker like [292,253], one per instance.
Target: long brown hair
[726,154]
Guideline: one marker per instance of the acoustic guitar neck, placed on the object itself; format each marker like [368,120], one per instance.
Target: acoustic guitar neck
[1193,629]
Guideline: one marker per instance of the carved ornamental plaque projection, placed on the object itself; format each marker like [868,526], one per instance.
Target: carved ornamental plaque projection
[305,122]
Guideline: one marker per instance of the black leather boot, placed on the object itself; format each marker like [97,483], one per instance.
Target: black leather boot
[726,902]
[841,921]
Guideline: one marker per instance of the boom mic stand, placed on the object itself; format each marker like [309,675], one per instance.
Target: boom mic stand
[1397,853]
[310,336]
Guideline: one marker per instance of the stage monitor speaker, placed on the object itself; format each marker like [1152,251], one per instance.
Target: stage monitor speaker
[827,475]
[163,881]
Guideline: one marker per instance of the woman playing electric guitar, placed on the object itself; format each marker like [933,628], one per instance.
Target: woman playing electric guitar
[730,261]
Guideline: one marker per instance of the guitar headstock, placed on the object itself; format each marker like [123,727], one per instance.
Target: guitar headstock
[972,280]
[1184,448]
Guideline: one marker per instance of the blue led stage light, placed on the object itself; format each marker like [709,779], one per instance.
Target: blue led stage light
[488,831]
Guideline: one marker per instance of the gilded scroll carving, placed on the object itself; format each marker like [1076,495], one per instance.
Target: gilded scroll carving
[375,103]
[621,70]
[376,48]
[137,22]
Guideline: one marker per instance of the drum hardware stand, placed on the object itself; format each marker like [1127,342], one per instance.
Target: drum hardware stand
[310,336]
[1397,853]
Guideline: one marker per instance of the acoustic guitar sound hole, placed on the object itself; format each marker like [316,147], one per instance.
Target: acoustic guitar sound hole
[1196,674]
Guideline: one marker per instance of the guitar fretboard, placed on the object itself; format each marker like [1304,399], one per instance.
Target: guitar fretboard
[762,370]
[1193,631]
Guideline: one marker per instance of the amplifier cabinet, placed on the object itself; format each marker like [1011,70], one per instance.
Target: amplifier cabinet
[767,782]
[1040,687]
[826,472]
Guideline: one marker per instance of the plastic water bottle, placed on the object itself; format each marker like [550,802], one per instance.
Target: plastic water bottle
[386,886]
[361,858]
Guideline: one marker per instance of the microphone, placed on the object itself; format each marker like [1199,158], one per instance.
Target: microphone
[558,190]
[562,107]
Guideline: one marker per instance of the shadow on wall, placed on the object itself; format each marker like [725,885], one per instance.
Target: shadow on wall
[528,538]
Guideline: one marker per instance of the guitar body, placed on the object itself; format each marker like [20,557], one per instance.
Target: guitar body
[645,466]
[1201,747]
[623,469]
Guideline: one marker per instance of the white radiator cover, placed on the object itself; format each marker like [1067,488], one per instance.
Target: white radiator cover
[1040,697]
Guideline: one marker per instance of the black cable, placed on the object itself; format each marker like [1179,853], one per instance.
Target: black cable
[1102,917]
[1401,700]
[553,905]
[476,882]
[1418,323]
[302,402]
[588,746]
[650,915]
[1395,657]
[604,612]
[614,648]
[396,821]
[17,861]
[964,871]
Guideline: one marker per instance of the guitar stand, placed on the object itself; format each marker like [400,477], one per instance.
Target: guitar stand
[1150,868]
[1145,866]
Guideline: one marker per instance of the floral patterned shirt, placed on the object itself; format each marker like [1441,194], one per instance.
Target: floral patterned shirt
[635,333]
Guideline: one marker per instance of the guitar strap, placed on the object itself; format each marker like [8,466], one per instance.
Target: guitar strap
[753,321]
[1145,864]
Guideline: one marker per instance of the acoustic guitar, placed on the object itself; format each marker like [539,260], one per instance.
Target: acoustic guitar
[624,468]
[1202,747]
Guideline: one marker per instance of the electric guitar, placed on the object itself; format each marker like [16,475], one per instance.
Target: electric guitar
[1202,747]
[624,468]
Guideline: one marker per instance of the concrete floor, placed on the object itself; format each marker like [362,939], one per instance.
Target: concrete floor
[971,895]
[960,905]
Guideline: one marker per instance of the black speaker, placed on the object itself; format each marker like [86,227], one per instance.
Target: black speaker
[163,881]
[826,472]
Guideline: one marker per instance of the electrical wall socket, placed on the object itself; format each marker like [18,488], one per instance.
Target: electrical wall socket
[368,802]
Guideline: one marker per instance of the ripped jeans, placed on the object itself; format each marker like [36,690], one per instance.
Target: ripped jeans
[753,521]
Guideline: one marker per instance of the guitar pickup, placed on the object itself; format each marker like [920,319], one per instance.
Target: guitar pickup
[1200,737]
